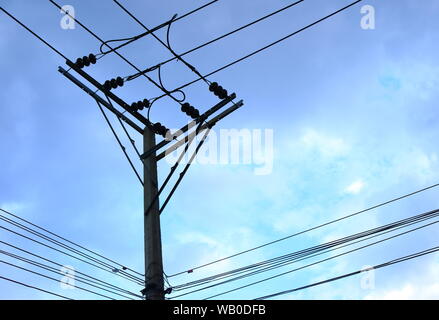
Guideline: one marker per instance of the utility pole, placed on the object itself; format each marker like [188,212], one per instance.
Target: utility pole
[154,289]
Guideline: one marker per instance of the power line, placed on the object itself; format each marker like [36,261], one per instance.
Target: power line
[168,45]
[324,260]
[283,260]
[227,34]
[32,32]
[309,253]
[72,256]
[379,266]
[69,241]
[96,280]
[35,288]
[135,38]
[64,246]
[59,272]
[265,48]
[308,230]
[166,93]
[54,279]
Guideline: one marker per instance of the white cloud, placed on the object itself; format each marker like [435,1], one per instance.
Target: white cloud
[355,187]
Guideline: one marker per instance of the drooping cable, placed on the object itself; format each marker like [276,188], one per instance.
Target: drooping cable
[379,266]
[70,242]
[266,47]
[311,229]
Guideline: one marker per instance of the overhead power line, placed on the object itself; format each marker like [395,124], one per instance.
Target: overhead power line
[308,230]
[34,33]
[286,259]
[54,279]
[225,35]
[166,93]
[140,36]
[265,48]
[93,279]
[379,266]
[51,269]
[35,288]
[71,242]
[325,248]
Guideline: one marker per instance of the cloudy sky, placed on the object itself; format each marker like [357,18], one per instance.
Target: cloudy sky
[353,114]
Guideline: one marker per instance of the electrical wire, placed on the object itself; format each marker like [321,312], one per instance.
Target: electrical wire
[321,249]
[227,34]
[54,279]
[35,288]
[72,256]
[59,272]
[309,229]
[266,47]
[64,246]
[33,33]
[116,52]
[93,279]
[324,260]
[287,259]
[69,241]
[379,266]
[168,45]
[132,39]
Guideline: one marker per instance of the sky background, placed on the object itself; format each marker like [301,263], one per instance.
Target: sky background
[354,114]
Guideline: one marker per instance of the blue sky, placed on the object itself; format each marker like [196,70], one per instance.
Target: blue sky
[354,115]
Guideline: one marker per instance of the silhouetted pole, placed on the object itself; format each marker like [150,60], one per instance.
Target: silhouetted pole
[154,289]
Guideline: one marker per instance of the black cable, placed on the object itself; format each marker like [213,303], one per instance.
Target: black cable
[64,246]
[167,46]
[229,33]
[54,279]
[266,47]
[58,272]
[33,33]
[69,241]
[36,288]
[309,229]
[115,51]
[120,143]
[101,282]
[132,39]
[379,266]
[311,252]
[324,260]
[67,254]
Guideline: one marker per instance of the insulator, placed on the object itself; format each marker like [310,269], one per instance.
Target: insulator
[119,81]
[134,106]
[86,61]
[196,114]
[146,103]
[140,105]
[157,126]
[213,86]
[107,85]
[185,107]
[223,94]
[92,58]
[79,63]
[113,83]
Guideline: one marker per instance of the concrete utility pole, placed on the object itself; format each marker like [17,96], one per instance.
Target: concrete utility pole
[154,289]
